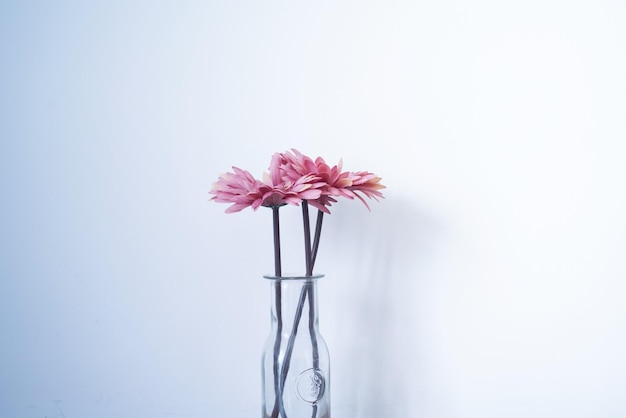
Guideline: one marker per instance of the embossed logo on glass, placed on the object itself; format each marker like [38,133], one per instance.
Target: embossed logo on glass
[311,385]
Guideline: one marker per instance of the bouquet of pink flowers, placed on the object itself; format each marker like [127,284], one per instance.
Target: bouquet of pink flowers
[296,179]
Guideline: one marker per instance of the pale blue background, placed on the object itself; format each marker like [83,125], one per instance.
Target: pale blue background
[490,283]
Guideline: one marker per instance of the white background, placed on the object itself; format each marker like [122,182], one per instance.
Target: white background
[489,283]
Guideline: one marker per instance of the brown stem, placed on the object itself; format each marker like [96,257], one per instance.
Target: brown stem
[279,331]
[276,222]
[316,237]
[307,237]
[313,334]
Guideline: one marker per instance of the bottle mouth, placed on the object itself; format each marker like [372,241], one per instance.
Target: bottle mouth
[293,277]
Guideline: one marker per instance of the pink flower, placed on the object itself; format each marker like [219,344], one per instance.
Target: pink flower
[333,182]
[242,190]
[239,188]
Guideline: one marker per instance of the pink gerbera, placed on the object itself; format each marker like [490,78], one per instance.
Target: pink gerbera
[332,181]
[239,188]
[242,190]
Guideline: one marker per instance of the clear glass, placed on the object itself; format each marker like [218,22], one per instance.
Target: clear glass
[295,366]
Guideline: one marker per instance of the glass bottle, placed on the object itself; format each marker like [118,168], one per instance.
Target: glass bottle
[295,365]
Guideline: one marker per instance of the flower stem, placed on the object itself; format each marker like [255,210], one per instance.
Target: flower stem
[279,331]
[316,237]
[316,356]
[279,316]
[277,263]
[312,333]
[307,237]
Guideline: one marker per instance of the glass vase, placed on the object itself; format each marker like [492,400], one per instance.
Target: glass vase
[295,365]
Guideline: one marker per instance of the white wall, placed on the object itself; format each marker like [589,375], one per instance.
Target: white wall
[489,282]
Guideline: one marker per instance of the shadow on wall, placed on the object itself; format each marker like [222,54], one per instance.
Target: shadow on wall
[394,247]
